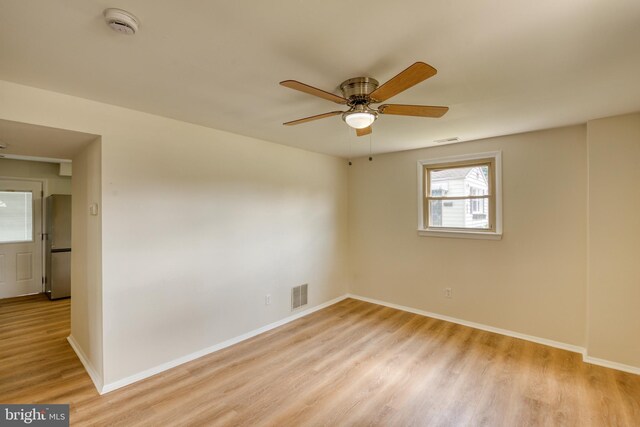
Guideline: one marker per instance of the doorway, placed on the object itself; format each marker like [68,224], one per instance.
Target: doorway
[20,237]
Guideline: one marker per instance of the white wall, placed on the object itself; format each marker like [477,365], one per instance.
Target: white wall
[55,184]
[614,239]
[86,257]
[197,226]
[532,281]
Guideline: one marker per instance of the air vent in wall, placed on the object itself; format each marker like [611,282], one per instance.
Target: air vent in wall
[440,141]
[299,296]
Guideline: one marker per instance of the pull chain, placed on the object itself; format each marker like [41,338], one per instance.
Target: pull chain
[348,133]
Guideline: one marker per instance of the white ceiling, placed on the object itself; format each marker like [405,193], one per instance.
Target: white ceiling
[503,66]
[31,142]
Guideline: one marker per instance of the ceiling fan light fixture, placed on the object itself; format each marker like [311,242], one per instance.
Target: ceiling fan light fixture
[359,120]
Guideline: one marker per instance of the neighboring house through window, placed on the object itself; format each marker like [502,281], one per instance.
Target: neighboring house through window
[460,196]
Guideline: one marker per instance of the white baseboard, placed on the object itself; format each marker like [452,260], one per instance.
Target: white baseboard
[189,357]
[97,381]
[609,364]
[102,389]
[544,341]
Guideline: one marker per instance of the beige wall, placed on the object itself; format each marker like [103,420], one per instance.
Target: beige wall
[198,225]
[532,281]
[55,184]
[86,256]
[614,239]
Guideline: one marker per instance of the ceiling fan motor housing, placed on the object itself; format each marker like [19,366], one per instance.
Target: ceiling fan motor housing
[357,90]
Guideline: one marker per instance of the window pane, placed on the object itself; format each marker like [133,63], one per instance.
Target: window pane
[16,216]
[459,181]
[462,213]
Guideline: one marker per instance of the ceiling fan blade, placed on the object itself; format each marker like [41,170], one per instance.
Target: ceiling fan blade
[365,131]
[312,118]
[413,110]
[293,84]
[403,81]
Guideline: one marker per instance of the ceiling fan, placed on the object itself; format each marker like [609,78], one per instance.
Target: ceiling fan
[360,92]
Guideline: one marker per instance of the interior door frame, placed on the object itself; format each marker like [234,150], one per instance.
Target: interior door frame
[43,208]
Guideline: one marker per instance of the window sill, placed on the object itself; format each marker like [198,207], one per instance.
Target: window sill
[457,234]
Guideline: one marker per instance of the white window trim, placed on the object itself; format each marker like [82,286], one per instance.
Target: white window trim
[424,230]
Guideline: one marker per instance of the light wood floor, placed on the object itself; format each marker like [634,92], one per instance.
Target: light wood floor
[351,364]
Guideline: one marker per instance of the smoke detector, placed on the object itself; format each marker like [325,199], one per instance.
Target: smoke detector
[121,21]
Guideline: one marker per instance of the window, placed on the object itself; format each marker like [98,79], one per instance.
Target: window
[16,216]
[478,205]
[460,196]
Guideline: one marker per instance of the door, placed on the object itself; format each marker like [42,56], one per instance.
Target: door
[20,238]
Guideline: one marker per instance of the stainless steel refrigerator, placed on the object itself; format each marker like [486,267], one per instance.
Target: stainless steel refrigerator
[57,282]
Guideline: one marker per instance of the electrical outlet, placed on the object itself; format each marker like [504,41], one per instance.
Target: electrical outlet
[448,293]
[267,299]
